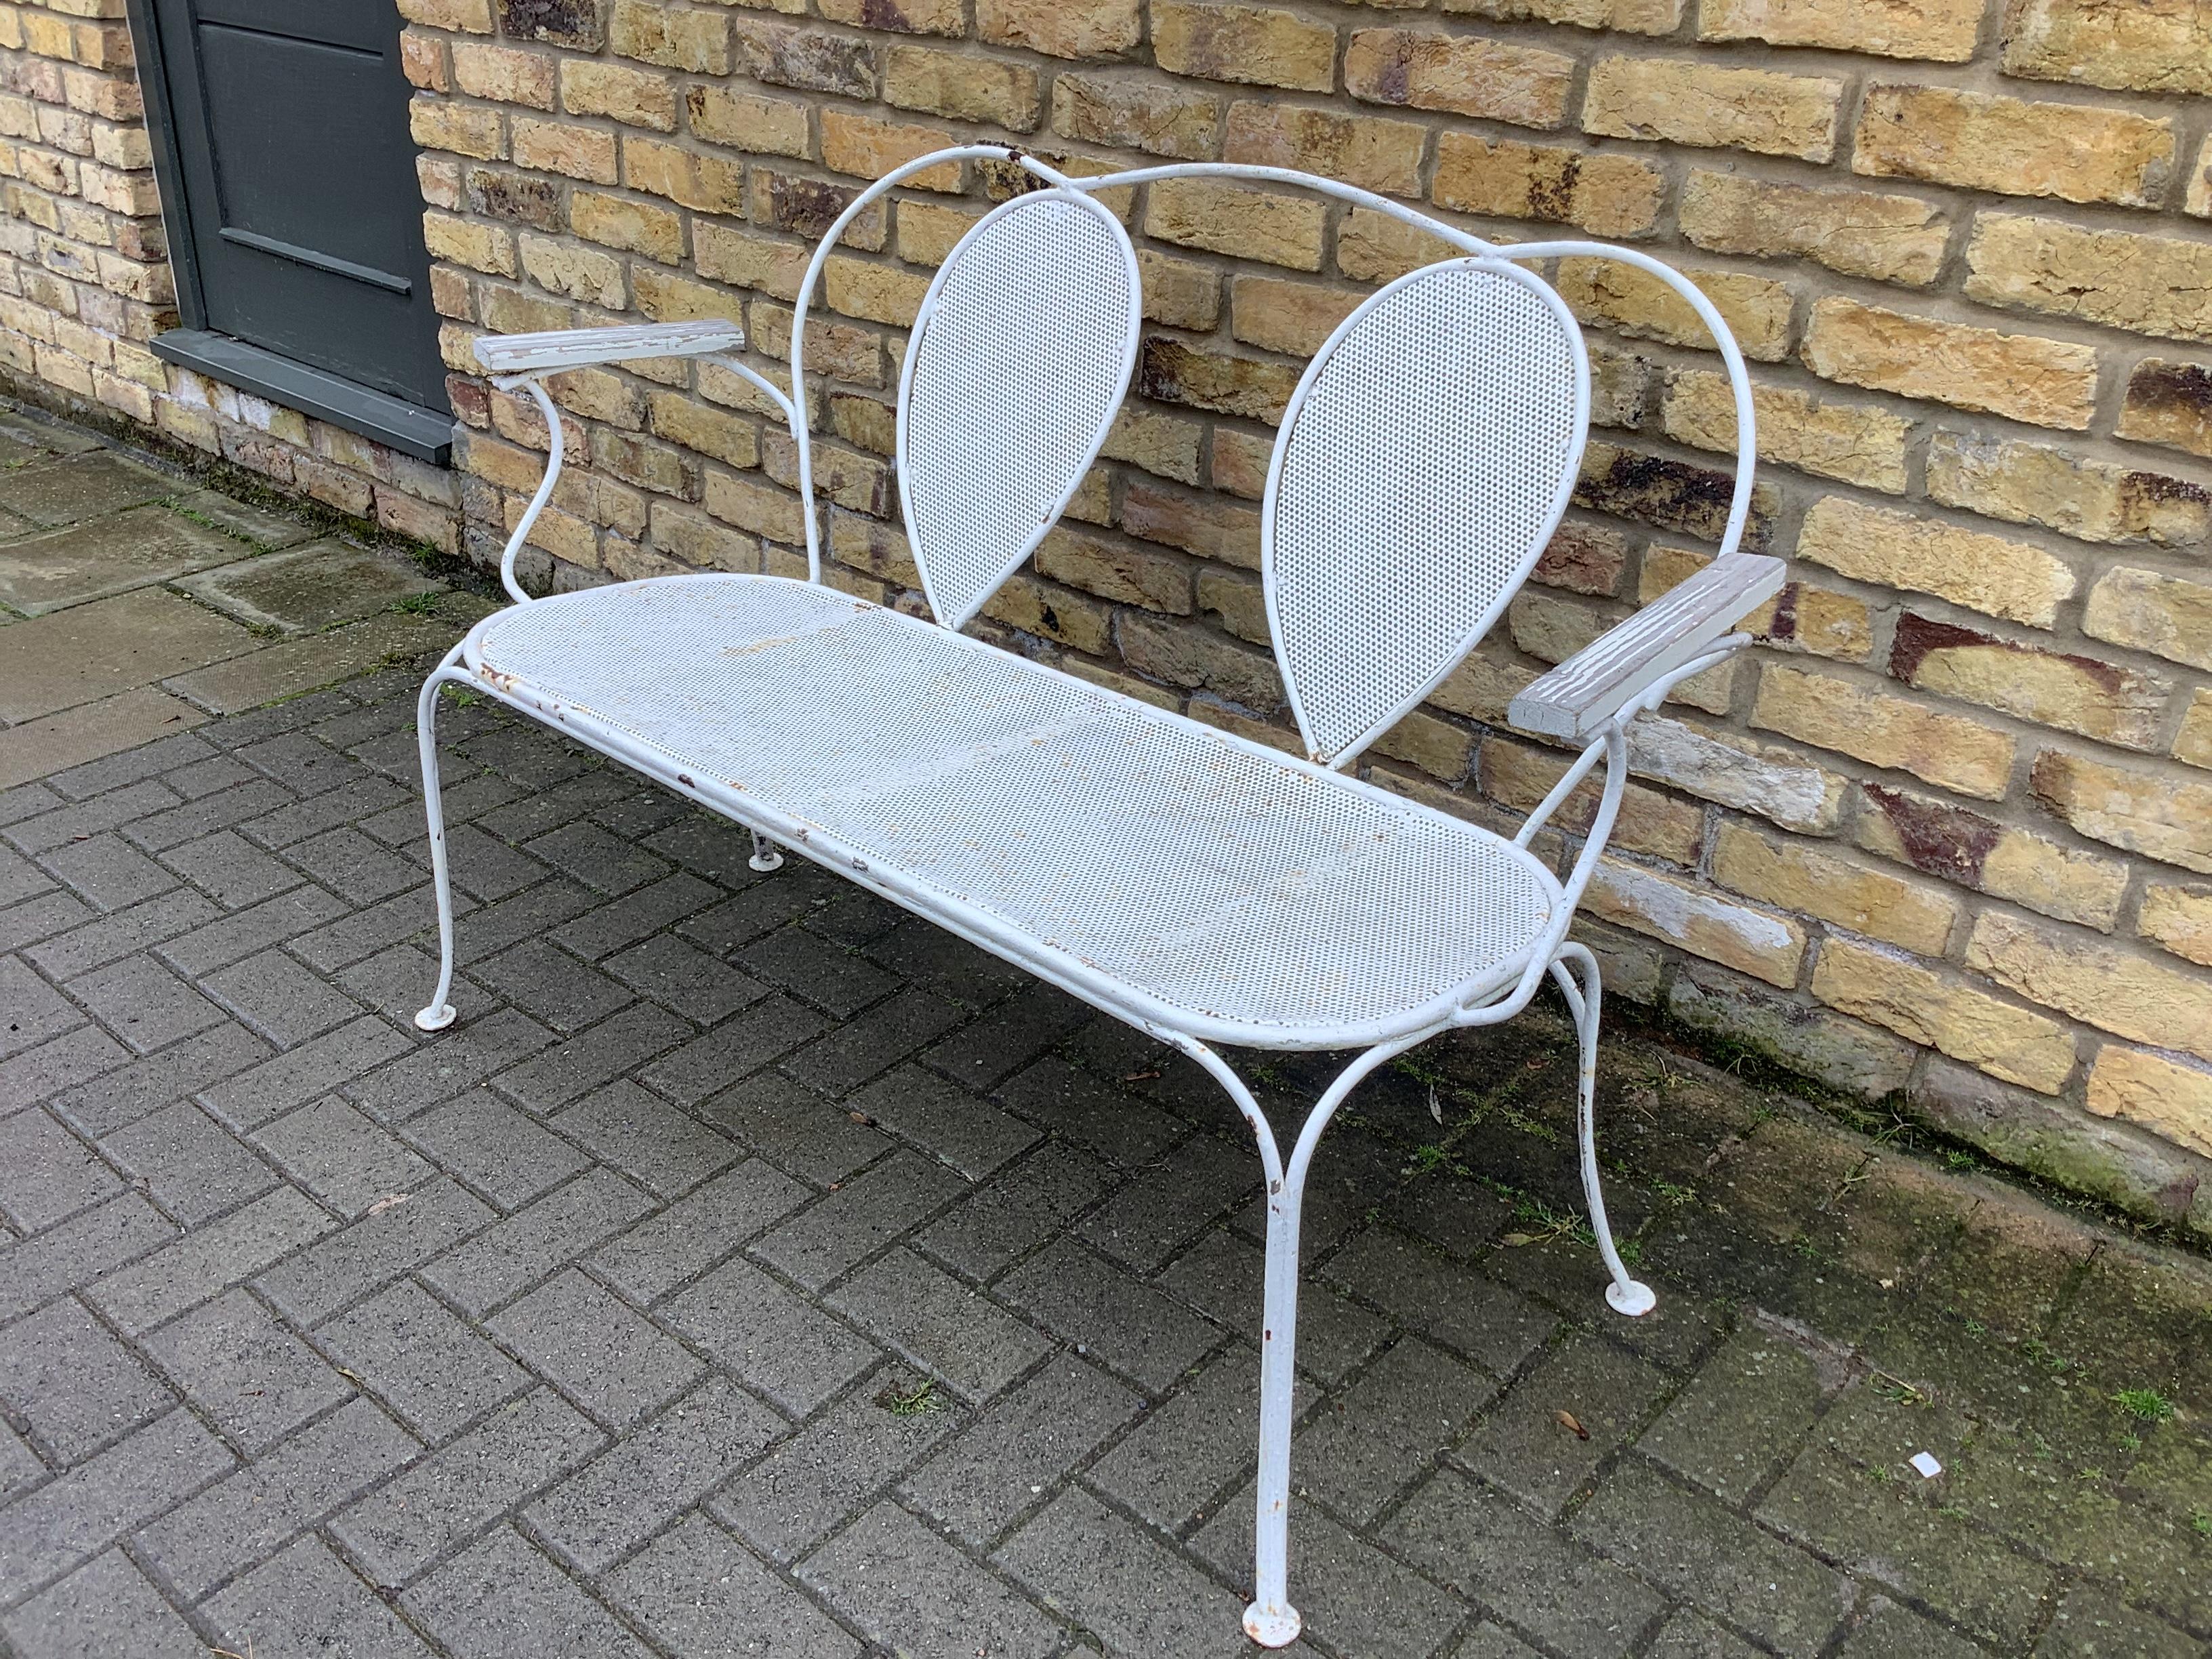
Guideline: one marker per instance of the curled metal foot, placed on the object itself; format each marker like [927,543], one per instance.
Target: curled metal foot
[765,856]
[434,1019]
[1629,1297]
[1272,1627]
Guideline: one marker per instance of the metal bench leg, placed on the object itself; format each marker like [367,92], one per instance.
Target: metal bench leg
[765,856]
[1271,1620]
[440,1014]
[1625,1295]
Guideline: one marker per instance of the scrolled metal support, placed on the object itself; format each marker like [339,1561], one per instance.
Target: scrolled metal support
[440,1012]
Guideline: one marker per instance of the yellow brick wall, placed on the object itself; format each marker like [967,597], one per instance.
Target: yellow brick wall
[85,284]
[1948,831]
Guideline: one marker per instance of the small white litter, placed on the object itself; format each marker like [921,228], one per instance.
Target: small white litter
[1928,1467]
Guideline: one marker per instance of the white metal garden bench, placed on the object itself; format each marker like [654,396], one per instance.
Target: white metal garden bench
[1207,888]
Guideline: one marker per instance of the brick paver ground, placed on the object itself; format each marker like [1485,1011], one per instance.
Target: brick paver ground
[756,1271]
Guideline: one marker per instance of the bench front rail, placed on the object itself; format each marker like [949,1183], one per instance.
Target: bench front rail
[1204,888]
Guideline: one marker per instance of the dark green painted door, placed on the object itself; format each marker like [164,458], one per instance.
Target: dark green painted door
[301,204]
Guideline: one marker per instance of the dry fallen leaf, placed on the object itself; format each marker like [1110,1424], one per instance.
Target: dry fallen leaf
[1138,1077]
[1571,1424]
[389,1201]
[1515,1241]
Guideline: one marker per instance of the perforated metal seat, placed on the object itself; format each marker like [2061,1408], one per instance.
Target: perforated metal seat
[1235,889]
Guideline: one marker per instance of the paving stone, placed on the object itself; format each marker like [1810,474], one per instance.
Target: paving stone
[501,1597]
[698,1231]
[1688,1635]
[107,871]
[231,939]
[1005,1216]
[702,1596]
[1143,1224]
[35,1010]
[1884,1531]
[251,1098]
[128,1093]
[71,956]
[451,1062]
[192,1169]
[596,858]
[302,765]
[525,1446]
[601,1514]
[1743,1416]
[1223,1276]
[908,1589]
[1697,1550]
[255,1379]
[834,1234]
[1027,1440]
[714,848]
[58,1064]
[358,933]
[280,999]
[500,1149]
[219,1255]
[2088,1625]
[811,1483]
[1377,1436]
[954,1333]
[1351,1594]
[46,1174]
[397,981]
[20,878]
[639,915]
[592,1059]
[20,1466]
[72,1384]
[307,589]
[40,919]
[1892,1633]
[1139,1331]
[645,1139]
[610,1360]
[1080,1108]
[770,1338]
[762,907]
[436,1373]
[945,1121]
[1484,1320]
[79,1513]
[841,981]
[352,865]
[1522,1446]
[987,1051]
[340,1157]
[368,1254]
[140,798]
[740,1045]
[144,1004]
[306,1602]
[864,1045]
[561,782]
[1484,1546]
[231,870]
[512,1255]
[1489,1641]
[86,486]
[1203,1439]
[684,978]
[104,1607]
[78,1251]
[176,755]
[291,1486]
[552,986]
[244,804]
[791,1127]
[1108,1575]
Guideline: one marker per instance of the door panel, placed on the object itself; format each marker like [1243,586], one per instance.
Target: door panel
[300,197]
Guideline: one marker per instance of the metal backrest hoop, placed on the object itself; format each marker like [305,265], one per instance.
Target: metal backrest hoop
[1424,462]
[1014,374]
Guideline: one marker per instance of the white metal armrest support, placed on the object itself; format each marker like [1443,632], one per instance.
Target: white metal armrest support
[1424,462]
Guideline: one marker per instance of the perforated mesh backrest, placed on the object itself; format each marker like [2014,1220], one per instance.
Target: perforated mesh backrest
[1425,460]
[1017,367]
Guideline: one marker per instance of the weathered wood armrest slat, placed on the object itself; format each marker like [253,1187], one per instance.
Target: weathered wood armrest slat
[1588,689]
[575,348]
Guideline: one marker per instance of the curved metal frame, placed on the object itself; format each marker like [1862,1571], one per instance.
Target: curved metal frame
[1494,997]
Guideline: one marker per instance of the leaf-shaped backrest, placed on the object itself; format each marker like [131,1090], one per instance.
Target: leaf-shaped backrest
[1425,460]
[1017,367]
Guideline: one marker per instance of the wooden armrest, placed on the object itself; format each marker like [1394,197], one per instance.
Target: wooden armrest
[572,348]
[1588,689]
